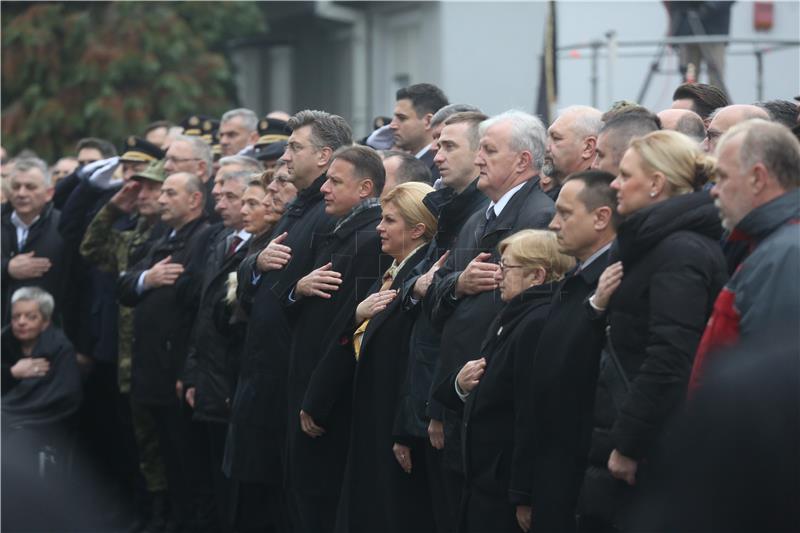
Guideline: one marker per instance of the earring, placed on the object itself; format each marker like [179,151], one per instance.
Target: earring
[652,194]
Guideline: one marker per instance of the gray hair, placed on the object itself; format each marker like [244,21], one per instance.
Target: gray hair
[242,177]
[527,133]
[248,117]
[247,163]
[588,120]
[771,144]
[24,164]
[327,130]
[200,149]
[450,110]
[43,298]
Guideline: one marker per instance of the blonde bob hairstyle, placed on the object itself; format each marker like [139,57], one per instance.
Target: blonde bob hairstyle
[534,248]
[679,158]
[407,198]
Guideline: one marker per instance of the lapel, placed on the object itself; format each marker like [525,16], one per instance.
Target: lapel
[34,231]
[489,238]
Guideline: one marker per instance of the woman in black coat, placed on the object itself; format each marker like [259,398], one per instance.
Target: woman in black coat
[41,385]
[385,485]
[494,390]
[668,246]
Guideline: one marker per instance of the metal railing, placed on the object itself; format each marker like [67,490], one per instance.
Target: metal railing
[610,45]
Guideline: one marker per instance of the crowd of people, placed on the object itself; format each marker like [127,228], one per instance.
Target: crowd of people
[460,322]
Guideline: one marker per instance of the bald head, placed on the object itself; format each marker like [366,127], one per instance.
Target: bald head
[571,141]
[684,121]
[725,118]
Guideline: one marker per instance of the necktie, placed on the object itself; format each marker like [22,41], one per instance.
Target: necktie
[235,242]
[358,336]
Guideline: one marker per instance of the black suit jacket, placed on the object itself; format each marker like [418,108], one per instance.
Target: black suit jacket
[463,322]
[164,316]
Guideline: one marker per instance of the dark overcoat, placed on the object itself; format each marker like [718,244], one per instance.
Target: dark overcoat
[315,465]
[494,411]
[464,321]
[163,317]
[548,467]
[44,240]
[257,431]
[377,494]
[215,342]
[673,270]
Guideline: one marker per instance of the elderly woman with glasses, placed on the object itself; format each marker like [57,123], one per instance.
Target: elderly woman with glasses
[492,389]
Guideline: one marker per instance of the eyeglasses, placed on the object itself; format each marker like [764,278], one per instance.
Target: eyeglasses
[170,159]
[505,267]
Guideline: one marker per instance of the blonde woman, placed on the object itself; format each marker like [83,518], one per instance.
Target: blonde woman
[385,486]
[657,297]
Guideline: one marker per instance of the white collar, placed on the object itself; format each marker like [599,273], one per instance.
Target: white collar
[244,235]
[595,255]
[501,203]
[19,223]
[423,151]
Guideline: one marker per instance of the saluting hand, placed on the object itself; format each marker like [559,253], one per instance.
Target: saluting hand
[320,282]
[424,281]
[470,374]
[607,284]
[30,367]
[275,256]
[163,273]
[125,198]
[26,266]
[479,276]
[374,304]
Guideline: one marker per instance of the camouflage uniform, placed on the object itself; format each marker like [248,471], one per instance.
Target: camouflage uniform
[110,250]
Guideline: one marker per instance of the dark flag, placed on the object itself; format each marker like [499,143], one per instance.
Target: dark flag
[548,80]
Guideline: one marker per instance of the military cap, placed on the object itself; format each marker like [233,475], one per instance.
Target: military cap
[273,134]
[216,148]
[269,152]
[153,172]
[208,128]
[271,130]
[137,150]
[193,125]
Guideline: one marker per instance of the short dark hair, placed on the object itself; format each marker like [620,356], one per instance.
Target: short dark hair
[628,108]
[473,119]
[597,192]
[425,98]
[327,130]
[706,98]
[367,163]
[691,125]
[105,148]
[625,127]
[449,110]
[410,169]
[781,111]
